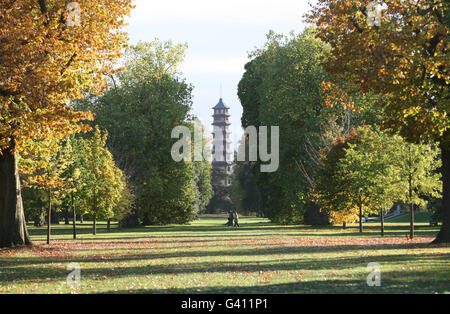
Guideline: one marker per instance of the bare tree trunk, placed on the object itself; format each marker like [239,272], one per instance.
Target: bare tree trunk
[66,216]
[13,228]
[94,226]
[49,217]
[411,207]
[40,220]
[74,220]
[81,218]
[444,234]
[344,225]
[360,219]
[108,226]
[382,223]
[95,215]
[55,218]
[411,221]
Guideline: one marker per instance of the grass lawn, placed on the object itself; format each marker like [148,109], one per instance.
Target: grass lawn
[207,257]
[424,217]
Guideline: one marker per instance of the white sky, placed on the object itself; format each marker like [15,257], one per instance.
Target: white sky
[219,34]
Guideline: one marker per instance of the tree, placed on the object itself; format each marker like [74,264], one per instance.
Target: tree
[104,186]
[329,190]
[419,164]
[282,87]
[245,193]
[405,58]
[370,172]
[202,169]
[44,163]
[44,62]
[146,101]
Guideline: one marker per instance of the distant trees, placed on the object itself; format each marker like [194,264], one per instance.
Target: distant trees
[367,172]
[420,179]
[330,192]
[76,171]
[245,193]
[146,101]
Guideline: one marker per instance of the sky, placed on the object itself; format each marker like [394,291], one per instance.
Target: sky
[219,34]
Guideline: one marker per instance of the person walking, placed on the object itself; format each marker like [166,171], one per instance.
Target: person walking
[236,218]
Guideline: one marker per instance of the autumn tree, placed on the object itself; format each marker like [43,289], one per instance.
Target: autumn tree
[402,54]
[48,56]
[420,179]
[44,164]
[370,172]
[104,187]
[329,190]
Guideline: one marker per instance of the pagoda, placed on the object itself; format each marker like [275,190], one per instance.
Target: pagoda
[221,145]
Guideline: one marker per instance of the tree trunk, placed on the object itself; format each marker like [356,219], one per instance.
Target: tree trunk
[54,216]
[108,225]
[411,221]
[13,228]
[40,220]
[344,225]
[81,218]
[146,221]
[444,234]
[382,223]
[411,210]
[360,219]
[49,216]
[66,216]
[94,226]
[130,221]
[74,220]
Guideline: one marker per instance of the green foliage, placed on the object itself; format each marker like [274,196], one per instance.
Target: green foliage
[370,170]
[44,165]
[419,164]
[244,191]
[330,190]
[282,87]
[103,185]
[54,171]
[146,101]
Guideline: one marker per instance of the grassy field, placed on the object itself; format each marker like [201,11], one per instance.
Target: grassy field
[207,257]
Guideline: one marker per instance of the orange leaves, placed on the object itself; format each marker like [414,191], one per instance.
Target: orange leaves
[405,58]
[45,64]
[337,96]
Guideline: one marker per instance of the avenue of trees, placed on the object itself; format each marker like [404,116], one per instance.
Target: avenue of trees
[363,113]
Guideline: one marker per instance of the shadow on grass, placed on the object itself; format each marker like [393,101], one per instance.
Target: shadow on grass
[412,283]
[394,281]
[16,268]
